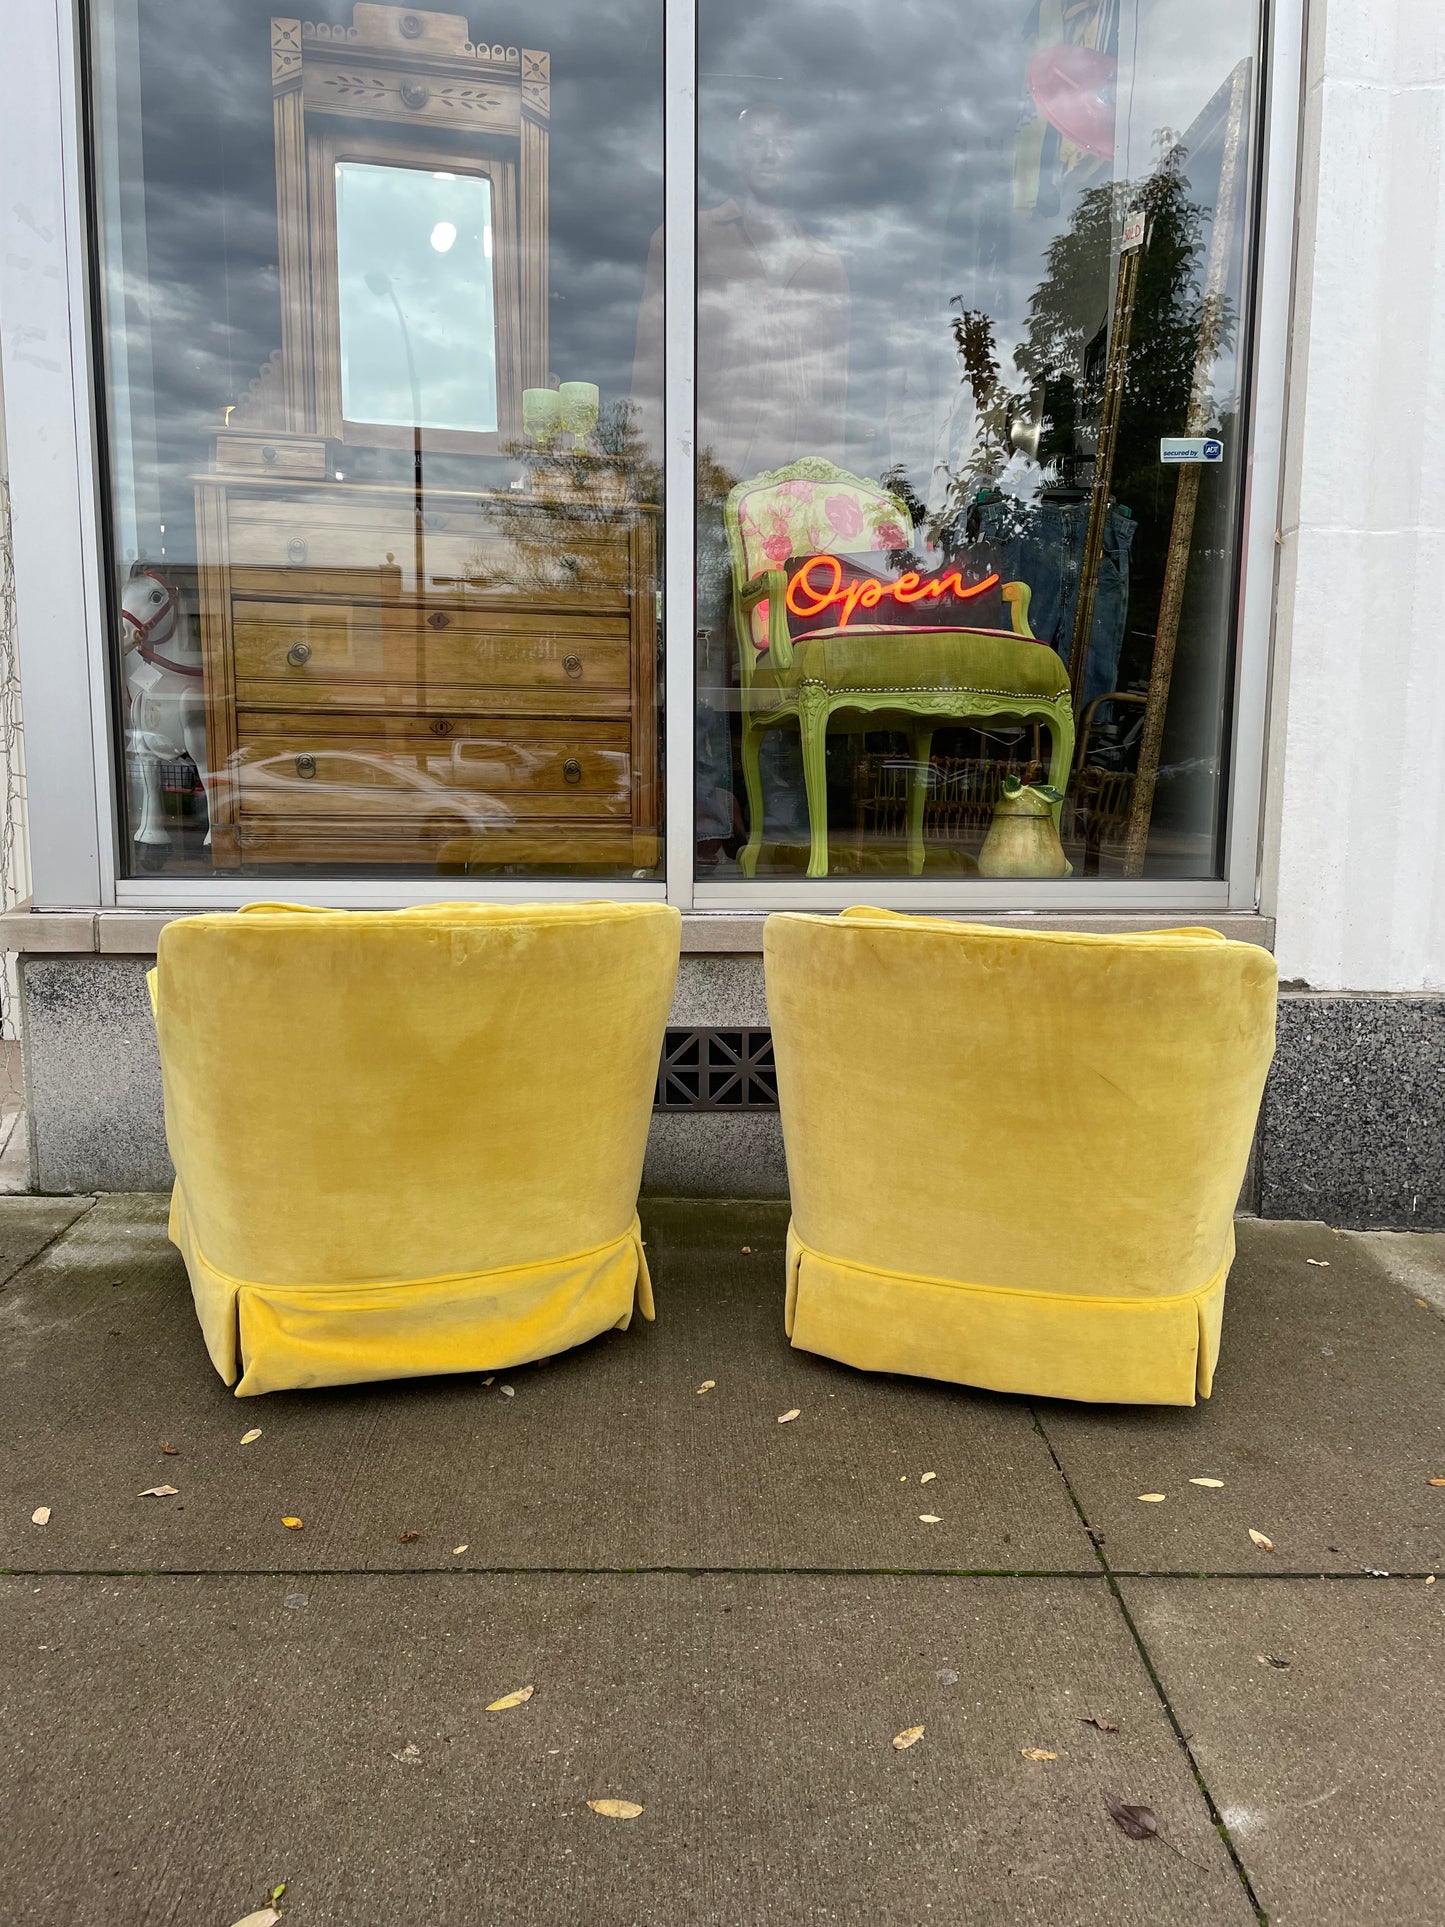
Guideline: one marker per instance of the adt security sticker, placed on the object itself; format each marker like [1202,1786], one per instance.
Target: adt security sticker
[1191,448]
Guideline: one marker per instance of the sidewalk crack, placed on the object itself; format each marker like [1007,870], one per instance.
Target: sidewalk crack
[1147,1661]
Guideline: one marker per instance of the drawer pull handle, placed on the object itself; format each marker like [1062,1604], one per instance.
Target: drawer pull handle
[573,666]
[268,453]
[438,619]
[572,770]
[296,549]
[414,94]
[299,654]
[441,727]
[305,765]
[571,563]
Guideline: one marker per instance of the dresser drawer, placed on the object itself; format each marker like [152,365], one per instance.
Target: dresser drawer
[365,547]
[461,775]
[310,655]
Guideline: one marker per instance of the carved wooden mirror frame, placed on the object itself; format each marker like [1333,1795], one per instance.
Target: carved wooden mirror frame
[400,87]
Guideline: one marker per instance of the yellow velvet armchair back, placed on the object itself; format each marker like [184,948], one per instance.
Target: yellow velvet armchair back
[408,1099]
[1014,1157]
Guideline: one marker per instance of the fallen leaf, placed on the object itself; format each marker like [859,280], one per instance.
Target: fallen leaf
[926,1477]
[267,1917]
[1151,1498]
[1138,1822]
[1268,1659]
[276,1892]
[786,1418]
[408,1756]
[1323,1263]
[171,1451]
[294,1524]
[910,1736]
[1213,1484]
[1437,1481]
[1431,1580]
[747,1251]
[509,1700]
[407,1538]
[616,1809]
[507,1392]
[1423,1303]
[929,1519]
[706,1386]
[1037,1753]
[458,1550]
[1265,1545]
[490,1380]
[250,1438]
[40,1516]
[1094,1719]
[160,1492]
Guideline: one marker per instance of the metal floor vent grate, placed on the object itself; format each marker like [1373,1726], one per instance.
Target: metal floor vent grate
[717,1070]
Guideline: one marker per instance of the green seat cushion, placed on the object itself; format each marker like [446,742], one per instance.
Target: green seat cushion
[980,662]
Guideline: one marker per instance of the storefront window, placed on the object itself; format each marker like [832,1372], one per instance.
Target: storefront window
[971,309]
[384,512]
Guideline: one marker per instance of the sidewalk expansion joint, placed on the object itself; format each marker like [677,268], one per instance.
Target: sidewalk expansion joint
[1146,1660]
[544,1572]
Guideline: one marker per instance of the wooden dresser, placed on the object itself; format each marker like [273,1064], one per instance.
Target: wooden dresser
[474,686]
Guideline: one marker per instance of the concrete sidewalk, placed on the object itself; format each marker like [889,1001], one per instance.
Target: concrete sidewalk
[724,1620]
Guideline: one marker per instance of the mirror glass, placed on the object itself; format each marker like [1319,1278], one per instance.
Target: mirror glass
[414,274]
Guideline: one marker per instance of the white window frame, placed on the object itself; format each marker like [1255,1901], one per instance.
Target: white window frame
[46,356]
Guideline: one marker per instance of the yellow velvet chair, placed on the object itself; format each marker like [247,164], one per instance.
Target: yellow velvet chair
[1014,1156]
[410,1142]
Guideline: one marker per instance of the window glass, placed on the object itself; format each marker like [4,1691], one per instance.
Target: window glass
[971,306]
[383,424]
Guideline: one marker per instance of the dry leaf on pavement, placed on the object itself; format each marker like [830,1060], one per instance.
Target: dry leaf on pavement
[407,1538]
[507,1392]
[1213,1484]
[1323,1263]
[1138,1822]
[1437,1481]
[747,1251]
[267,1917]
[40,1516]
[786,1418]
[910,1736]
[293,1524]
[1268,1659]
[1151,1498]
[250,1438]
[1265,1545]
[1431,1580]
[1037,1753]
[1094,1719]
[706,1386]
[616,1809]
[508,1700]
[926,1477]
[456,1550]
[171,1451]
[160,1492]
[929,1519]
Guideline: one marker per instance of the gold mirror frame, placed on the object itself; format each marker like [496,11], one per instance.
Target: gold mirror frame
[406,88]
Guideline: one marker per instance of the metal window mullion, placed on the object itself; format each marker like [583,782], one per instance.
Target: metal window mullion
[679,492]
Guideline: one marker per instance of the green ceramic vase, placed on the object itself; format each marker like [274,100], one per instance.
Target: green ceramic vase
[1023,839]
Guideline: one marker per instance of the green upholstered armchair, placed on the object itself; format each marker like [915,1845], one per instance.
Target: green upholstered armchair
[866,676]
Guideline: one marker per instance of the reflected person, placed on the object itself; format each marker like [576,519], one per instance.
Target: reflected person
[772,377]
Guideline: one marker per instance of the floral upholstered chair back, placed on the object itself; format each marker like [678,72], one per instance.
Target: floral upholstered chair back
[808,508]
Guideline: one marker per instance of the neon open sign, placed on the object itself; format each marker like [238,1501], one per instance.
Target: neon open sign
[818,585]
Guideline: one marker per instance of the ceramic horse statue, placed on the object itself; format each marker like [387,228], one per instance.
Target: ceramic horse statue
[167,705]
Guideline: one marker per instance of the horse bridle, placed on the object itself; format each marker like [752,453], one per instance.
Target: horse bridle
[140,631]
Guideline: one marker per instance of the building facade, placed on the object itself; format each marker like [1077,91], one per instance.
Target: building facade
[979,463]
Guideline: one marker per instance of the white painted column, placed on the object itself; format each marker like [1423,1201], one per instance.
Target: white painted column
[1354,847]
